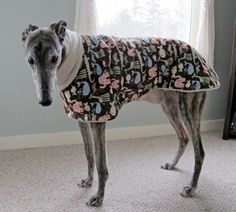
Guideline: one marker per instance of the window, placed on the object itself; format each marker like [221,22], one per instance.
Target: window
[162,18]
[188,20]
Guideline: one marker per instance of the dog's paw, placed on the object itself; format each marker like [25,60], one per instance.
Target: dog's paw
[85,183]
[168,166]
[187,192]
[95,201]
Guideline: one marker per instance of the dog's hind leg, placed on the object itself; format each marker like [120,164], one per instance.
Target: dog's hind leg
[170,104]
[88,147]
[191,105]
[98,131]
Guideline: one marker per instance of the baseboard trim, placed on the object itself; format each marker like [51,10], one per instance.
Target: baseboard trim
[74,137]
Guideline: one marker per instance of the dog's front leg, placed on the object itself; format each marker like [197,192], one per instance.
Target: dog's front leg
[88,147]
[98,131]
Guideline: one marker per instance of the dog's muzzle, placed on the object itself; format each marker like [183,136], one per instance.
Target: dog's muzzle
[46,101]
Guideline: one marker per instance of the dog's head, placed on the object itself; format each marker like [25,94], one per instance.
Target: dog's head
[43,51]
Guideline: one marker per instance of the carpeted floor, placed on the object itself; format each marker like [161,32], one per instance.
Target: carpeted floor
[45,179]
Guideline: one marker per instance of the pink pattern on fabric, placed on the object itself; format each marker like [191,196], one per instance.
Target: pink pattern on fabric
[78,107]
[135,97]
[104,118]
[153,72]
[104,79]
[179,83]
[131,52]
[115,84]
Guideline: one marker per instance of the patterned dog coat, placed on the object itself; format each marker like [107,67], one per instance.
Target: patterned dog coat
[114,71]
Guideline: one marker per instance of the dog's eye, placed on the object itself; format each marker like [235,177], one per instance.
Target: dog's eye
[54,59]
[31,61]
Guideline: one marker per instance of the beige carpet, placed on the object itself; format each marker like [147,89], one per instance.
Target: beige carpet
[45,179]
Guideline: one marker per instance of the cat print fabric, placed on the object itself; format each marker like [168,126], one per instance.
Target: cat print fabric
[116,71]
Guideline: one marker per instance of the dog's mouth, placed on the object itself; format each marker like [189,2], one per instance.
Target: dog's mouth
[47,101]
[45,91]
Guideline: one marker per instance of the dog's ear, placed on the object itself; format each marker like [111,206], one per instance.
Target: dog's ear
[27,31]
[60,29]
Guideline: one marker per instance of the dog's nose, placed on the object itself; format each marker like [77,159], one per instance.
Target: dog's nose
[46,101]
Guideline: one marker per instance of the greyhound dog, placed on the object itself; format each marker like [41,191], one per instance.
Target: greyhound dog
[96,75]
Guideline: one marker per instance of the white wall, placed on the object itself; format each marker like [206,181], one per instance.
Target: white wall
[20,112]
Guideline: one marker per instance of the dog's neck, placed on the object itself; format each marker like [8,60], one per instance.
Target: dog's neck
[71,59]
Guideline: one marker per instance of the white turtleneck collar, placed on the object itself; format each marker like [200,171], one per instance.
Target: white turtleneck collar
[71,61]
